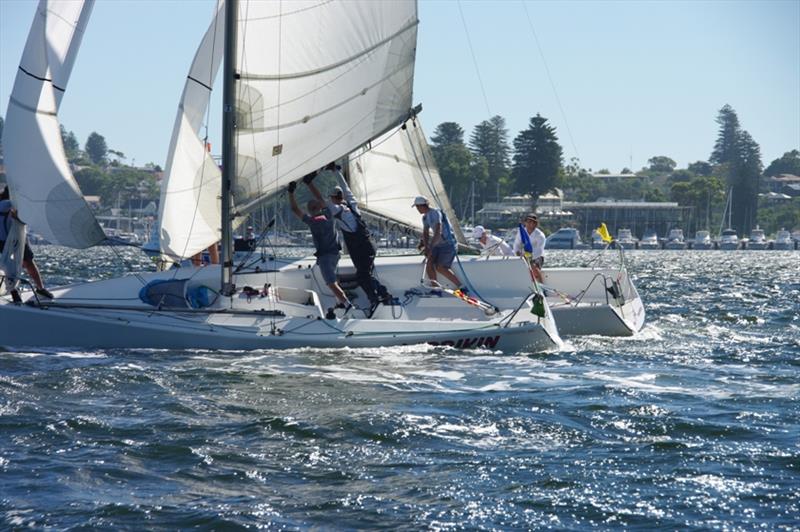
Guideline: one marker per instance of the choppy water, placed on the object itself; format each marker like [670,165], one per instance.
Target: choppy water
[692,424]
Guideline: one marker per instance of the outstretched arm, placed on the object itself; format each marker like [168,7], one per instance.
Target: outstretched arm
[293,202]
[315,191]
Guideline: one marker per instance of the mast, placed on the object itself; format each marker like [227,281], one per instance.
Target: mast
[228,144]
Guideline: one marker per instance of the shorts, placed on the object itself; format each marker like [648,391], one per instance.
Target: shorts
[327,267]
[538,262]
[27,255]
[443,255]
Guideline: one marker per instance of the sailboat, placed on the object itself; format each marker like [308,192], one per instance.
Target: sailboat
[728,239]
[290,106]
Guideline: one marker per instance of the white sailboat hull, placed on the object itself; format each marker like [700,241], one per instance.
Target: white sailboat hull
[582,305]
[108,314]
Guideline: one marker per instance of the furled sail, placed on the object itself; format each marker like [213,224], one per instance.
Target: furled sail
[189,211]
[387,175]
[316,79]
[42,185]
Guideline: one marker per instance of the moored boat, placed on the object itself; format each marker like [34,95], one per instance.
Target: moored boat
[702,240]
[783,240]
[729,240]
[675,240]
[649,240]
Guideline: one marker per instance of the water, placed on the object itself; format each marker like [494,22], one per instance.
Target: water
[692,424]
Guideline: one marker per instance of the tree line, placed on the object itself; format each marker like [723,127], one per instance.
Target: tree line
[101,171]
[487,167]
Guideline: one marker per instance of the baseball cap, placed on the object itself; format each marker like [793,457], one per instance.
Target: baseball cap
[478,231]
[420,200]
[337,191]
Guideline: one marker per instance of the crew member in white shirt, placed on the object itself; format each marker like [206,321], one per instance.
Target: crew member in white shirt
[538,240]
[492,245]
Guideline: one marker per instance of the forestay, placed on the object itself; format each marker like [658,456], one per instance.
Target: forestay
[189,211]
[387,175]
[317,79]
[42,185]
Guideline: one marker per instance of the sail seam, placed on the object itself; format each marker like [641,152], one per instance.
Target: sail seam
[333,66]
[31,109]
[34,76]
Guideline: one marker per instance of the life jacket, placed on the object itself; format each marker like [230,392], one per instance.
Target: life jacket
[360,239]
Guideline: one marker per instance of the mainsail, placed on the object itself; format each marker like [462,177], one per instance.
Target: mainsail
[315,80]
[189,211]
[42,185]
[389,173]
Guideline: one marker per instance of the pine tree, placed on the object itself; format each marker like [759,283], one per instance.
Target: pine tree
[489,140]
[725,147]
[455,162]
[738,158]
[537,158]
[96,148]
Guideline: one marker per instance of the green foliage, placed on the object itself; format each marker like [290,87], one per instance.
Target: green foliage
[738,158]
[661,163]
[92,180]
[789,163]
[489,141]
[537,158]
[71,146]
[96,148]
[457,166]
[705,193]
[700,168]
[681,176]
[447,133]
[784,215]
[727,138]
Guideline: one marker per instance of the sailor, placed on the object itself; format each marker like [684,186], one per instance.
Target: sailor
[438,243]
[492,245]
[7,211]
[343,207]
[530,242]
[327,247]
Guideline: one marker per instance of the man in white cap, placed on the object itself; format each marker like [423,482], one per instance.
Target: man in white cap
[491,244]
[440,245]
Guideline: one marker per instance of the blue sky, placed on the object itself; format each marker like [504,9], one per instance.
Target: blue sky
[628,80]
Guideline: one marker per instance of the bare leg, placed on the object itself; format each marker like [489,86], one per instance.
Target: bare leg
[537,273]
[339,293]
[33,271]
[447,272]
[197,259]
[213,254]
[430,271]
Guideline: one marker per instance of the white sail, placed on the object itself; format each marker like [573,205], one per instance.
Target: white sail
[317,79]
[389,174]
[42,185]
[189,211]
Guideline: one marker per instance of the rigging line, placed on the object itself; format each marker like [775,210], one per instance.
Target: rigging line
[550,79]
[474,60]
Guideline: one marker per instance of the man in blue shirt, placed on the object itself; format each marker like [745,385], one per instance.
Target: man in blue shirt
[438,243]
[7,211]
[327,247]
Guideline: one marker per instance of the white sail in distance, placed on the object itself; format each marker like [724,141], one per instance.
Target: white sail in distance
[389,173]
[42,186]
[189,211]
[316,79]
